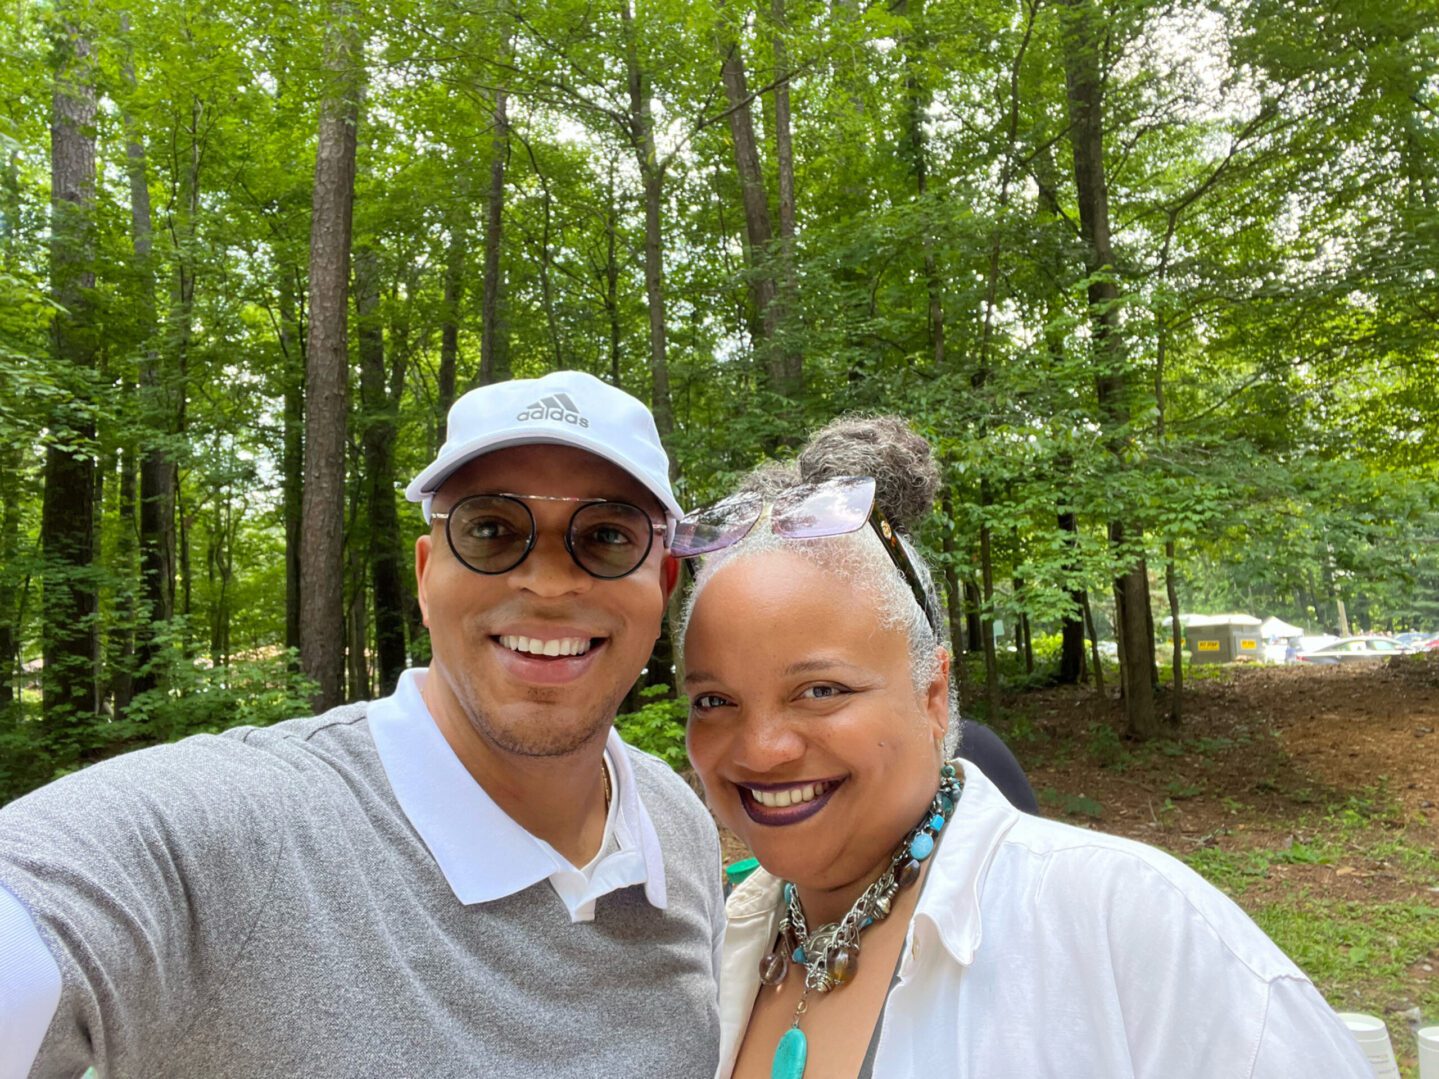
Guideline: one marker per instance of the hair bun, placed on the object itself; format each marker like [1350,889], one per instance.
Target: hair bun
[901,462]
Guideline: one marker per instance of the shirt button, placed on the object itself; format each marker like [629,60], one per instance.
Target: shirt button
[914,950]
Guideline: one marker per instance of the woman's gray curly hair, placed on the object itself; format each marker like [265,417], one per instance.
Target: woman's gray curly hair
[906,482]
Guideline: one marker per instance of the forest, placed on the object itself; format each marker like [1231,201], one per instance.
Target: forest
[1157,279]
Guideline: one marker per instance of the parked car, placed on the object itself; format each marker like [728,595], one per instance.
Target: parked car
[1353,650]
[1414,641]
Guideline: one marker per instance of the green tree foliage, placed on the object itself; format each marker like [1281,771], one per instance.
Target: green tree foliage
[558,185]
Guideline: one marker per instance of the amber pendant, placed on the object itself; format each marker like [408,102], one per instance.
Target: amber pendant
[843,965]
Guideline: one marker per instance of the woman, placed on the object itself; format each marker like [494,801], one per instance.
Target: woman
[908,920]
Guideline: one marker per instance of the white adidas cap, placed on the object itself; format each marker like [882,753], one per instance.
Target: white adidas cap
[565,408]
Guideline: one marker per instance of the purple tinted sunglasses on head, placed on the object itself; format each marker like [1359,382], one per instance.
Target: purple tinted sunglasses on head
[810,511]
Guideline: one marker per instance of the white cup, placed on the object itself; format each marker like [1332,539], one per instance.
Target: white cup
[1429,1053]
[1373,1037]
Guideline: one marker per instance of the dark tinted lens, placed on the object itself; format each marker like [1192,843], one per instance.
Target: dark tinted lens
[832,508]
[490,533]
[717,526]
[609,539]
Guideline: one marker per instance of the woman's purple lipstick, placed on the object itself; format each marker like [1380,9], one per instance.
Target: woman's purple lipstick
[791,814]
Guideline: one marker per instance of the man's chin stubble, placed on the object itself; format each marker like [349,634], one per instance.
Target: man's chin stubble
[543,736]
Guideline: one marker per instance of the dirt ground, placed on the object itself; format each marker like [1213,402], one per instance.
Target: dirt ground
[1257,746]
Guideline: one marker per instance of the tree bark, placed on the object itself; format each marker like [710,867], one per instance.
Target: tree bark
[1093,645]
[755,199]
[322,628]
[157,465]
[1071,627]
[642,138]
[67,523]
[986,617]
[918,96]
[793,358]
[450,327]
[379,408]
[953,597]
[1083,33]
[292,481]
[494,360]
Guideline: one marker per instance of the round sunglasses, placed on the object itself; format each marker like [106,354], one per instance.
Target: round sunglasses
[494,533]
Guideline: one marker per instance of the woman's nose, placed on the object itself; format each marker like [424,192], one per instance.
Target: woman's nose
[766,742]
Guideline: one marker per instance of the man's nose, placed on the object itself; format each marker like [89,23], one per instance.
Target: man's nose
[549,570]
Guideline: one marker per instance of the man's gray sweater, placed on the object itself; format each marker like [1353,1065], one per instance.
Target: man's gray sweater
[257,904]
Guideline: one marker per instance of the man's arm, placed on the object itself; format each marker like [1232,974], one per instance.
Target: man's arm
[29,988]
[142,876]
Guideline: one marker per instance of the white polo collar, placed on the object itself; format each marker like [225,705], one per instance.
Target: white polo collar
[483,854]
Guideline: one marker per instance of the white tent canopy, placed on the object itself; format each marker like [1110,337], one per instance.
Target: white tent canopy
[1277,627]
[1196,620]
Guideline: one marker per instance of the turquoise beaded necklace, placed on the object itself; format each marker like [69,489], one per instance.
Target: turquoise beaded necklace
[830,953]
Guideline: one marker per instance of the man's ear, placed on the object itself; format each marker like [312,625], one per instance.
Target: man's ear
[669,575]
[422,559]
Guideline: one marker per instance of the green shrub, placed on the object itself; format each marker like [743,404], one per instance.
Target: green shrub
[658,726]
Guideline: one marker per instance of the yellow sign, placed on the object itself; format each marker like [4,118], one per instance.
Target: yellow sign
[1207,646]
[1248,643]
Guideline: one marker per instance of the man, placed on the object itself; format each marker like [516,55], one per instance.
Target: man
[471,877]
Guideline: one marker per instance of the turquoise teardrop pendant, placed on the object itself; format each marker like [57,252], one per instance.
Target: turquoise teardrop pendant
[789,1055]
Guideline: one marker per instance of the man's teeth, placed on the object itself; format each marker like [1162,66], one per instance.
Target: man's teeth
[791,797]
[559,646]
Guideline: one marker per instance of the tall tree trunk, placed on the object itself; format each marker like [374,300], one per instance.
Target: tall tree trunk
[494,360]
[973,630]
[322,629]
[67,522]
[953,597]
[642,138]
[757,229]
[918,96]
[121,651]
[986,617]
[450,326]
[788,299]
[1083,33]
[612,276]
[1093,644]
[292,345]
[379,407]
[1071,626]
[11,492]
[10,590]
[158,413]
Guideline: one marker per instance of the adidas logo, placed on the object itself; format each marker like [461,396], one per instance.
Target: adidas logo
[557,406]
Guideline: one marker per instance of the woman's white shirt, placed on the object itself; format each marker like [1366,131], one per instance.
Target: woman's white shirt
[1039,949]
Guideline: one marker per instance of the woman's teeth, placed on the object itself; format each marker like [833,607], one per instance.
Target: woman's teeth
[792,796]
[560,646]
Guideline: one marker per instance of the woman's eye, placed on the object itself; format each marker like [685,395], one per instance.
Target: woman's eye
[703,702]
